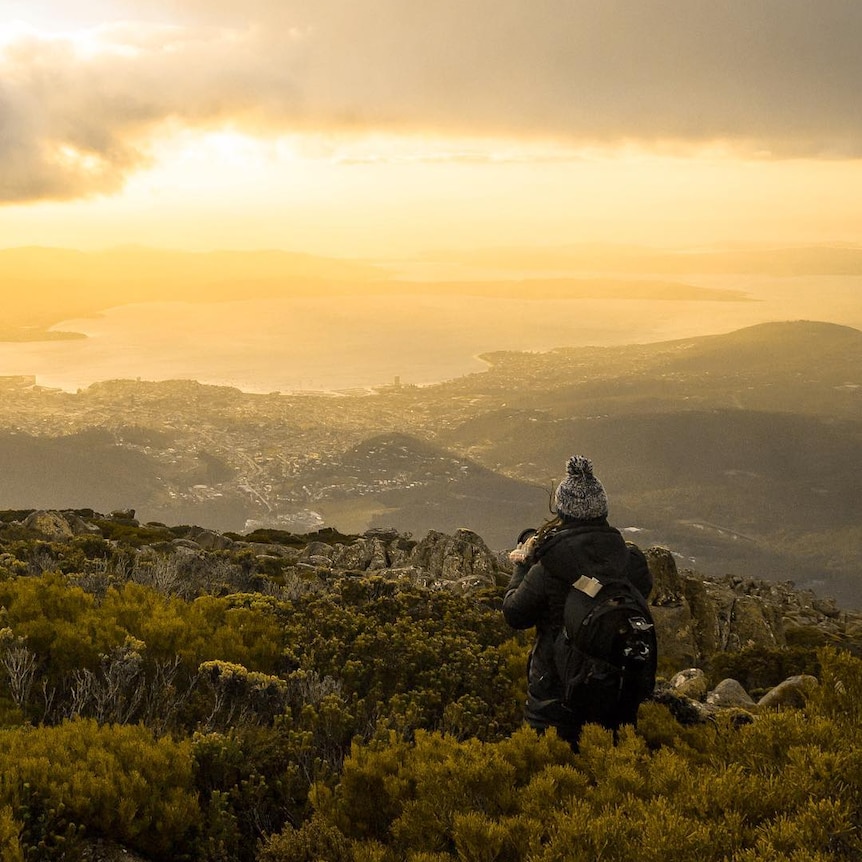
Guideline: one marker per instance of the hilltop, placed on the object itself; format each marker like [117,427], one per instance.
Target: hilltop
[274,697]
[698,618]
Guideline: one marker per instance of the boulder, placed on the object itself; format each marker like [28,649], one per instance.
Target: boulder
[676,634]
[706,631]
[319,549]
[690,683]
[752,624]
[319,561]
[684,709]
[125,516]
[729,693]
[79,526]
[209,540]
[353,557]
[367,553]
[378,558]
[793,693]
[52,525]
[399,552]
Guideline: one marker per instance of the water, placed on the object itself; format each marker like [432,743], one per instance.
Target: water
[340,343]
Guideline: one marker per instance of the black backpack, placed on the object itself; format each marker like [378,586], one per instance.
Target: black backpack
[606,652]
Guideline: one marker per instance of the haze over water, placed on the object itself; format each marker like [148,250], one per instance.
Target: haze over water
[352,343]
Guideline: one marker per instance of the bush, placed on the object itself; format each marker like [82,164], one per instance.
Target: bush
[113,780]
[314,841]
[786,786]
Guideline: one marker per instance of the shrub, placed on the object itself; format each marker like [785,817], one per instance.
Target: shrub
[314,841]
[112,780]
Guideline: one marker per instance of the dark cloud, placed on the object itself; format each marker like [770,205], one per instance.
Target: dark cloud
[775,76]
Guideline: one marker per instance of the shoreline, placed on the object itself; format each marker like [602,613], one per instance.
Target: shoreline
[29,335]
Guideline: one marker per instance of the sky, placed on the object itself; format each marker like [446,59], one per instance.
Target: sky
[373,128]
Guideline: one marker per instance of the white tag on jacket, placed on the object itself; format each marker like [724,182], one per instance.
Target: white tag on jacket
[590,586]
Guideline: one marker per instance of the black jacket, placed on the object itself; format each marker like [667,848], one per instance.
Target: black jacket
[537,594]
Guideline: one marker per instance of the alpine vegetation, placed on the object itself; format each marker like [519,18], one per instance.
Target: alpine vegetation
[172,693]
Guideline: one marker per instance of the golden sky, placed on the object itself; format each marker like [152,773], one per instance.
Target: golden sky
[386,127]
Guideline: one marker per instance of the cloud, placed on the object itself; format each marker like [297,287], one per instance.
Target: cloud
[775,76]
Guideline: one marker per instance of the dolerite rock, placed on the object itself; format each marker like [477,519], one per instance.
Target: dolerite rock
[697,617]
[318,561]
[79,526]
[364,554]
[378,558]
[707,631]
[125,517]
[318,549]
[675,626]
[52,525]
[667,586]
[463,559]
[209,540]
[353,557]
[730,693]
[690,683]
[685,710]
[752,624]
[793,693]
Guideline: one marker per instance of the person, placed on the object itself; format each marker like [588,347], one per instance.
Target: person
[577,541]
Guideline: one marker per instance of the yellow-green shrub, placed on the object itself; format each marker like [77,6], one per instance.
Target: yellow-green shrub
[113,780]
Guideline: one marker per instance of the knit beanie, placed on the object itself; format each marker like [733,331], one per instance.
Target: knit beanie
[581,495]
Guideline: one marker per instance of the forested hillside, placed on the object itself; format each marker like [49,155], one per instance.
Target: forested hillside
[173,693]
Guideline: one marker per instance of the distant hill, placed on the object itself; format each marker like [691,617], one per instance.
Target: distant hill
[43,286]
[94,465]
[69,471]
[739,452]
[395,480]
[776,260]
[797,367]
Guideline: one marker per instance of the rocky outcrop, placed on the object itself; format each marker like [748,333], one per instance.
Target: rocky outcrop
[690,683]
[463,560]
[61,526]
[697,617]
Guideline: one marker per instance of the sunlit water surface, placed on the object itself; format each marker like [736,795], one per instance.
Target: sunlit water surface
[352,343]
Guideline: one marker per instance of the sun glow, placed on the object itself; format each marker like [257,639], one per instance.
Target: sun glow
[84,43]
[372,195]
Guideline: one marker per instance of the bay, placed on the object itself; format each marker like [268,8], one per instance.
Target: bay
[358,342]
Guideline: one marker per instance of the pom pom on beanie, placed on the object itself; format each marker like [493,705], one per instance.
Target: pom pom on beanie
[581,495]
